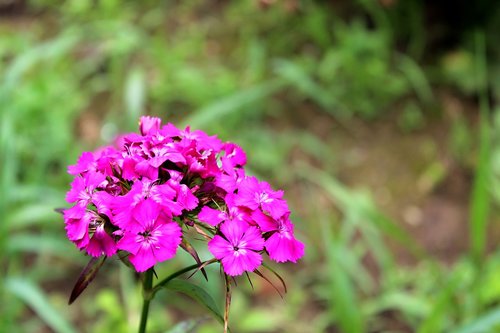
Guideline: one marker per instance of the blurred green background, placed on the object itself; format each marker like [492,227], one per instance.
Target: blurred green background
[379,119]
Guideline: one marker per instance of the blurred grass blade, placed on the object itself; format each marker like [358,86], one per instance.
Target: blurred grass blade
[489,322]
[32,214]
[198,294]
[45,51]
[233,103]
[480,200]
[135,90]
[443,301]
[346,307]
[416,77]
[50,244]
[301,80]
[88,274]
[342,197]
[37,300]
[410,304]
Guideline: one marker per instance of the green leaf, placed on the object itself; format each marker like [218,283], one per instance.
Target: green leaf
[198,294]
[34,297]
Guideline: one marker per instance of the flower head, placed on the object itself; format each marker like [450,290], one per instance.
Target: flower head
[140,195]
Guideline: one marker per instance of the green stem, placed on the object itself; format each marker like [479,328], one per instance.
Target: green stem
[147,287]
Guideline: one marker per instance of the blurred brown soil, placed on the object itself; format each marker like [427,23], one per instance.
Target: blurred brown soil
[413,176]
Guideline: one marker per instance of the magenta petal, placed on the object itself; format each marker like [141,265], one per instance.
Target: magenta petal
[128,169]
[233,230]
[77,186]
[146,212]
[130,242]
[143,168]
[211,216]
[185,198]
[85,163]
[252,240]
[160,244]
[101,243]
[239,262]
[143,260]
[149,125]
[237,252]
[220,247]
[77,223]
[284,247]
[275,207]
[265,222]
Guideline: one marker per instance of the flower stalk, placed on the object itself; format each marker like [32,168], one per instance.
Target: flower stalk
[147,294]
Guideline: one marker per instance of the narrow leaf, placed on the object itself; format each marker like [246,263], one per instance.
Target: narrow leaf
[34,297]
[186,246]
[202,266]
[276,274]
[196,293]
[88,274]
[270,282]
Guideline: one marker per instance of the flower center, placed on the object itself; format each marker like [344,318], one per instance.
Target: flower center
[263,197]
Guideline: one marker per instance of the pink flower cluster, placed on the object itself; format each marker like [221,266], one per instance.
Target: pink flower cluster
[140,196]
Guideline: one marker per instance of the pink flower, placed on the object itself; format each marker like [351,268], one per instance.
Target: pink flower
[230,180]
[254,194]
[83,187]
[86,228]
[77,221]
[231,213]
[237,247]
[234,157]
[156,240]
[86,162]
[101,243]
[211,216]
[164,195]
[281,244]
